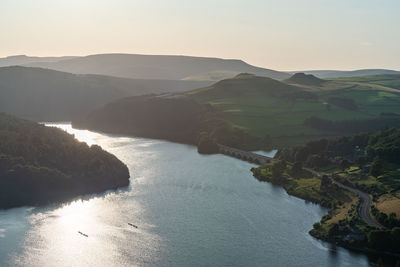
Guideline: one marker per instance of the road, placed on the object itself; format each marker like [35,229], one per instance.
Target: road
[365,204]
[366,201]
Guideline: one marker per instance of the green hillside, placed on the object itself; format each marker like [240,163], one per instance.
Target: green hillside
[331,74]
[43,94]
[248,107]
[305,79]
[261,106]
[391,81]
[172,117]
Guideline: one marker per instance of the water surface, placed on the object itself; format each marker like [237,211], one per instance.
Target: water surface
[190,209]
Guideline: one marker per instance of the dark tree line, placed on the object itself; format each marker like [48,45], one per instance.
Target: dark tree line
[352,126]
[41,164]
[379,149]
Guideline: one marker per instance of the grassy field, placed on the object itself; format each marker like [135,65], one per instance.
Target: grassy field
[343,211]
[391,81]
[388,204]
[277,117]
[385,186]
[374,102]
[259,110]
[307,187]
[303,185]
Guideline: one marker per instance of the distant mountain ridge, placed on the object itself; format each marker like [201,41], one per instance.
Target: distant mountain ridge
[169,67]
[23,60]
[328,74]
[158,67]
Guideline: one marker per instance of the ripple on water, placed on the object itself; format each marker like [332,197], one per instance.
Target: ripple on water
[190,210]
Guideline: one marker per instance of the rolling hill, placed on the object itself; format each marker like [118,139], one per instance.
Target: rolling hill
[329,74]
[304,79]
[168,67]
[171,117]
[387,80]
[249,111]
[43,94]
[181,117]
[243,84]
[158,67]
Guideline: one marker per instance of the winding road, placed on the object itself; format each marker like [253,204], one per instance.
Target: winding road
[366,201]
[365,204]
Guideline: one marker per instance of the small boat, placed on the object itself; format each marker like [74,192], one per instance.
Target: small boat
[133,225]
[85,235]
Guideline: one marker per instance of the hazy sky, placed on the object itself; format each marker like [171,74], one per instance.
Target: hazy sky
[283,35]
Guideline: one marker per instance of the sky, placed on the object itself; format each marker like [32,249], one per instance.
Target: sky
[280,34]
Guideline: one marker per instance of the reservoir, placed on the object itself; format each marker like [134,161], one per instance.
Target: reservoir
[180,209]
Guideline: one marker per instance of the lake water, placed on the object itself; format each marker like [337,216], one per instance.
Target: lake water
[190,209]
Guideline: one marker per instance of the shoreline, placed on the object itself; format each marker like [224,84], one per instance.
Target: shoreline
[366,251]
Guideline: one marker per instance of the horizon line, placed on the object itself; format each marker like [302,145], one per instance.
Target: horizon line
[209,57]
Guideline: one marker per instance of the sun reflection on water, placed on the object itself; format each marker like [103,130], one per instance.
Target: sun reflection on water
[55,234]
[190,210]
[82,135]
[54,237]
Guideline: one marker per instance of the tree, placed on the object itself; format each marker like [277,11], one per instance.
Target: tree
[316,225]
[361,161]
[207,144]
[277,169]
[345,164]
[334,230]
[325,183]
[317,161]
[41,164]
[297,167]
[392,220]
[377,167]
[379,239]
[395,236]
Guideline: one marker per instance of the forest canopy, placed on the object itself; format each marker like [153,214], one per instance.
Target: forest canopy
[40,164]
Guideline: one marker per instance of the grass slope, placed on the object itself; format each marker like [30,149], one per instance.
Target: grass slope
[43,94]
[260,106]
[329,74]
[391,81]
[249,107]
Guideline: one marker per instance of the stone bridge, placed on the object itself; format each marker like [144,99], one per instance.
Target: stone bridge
[244,155]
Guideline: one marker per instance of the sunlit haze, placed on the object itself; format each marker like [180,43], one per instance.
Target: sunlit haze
[199,133]
[282,35]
